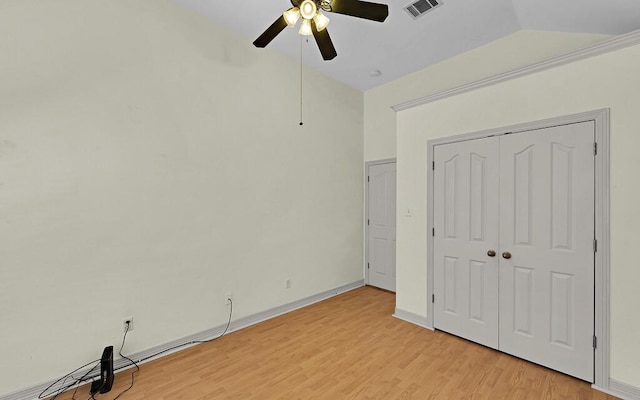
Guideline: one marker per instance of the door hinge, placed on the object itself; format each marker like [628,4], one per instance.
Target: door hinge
[595,245]
[368,266]
[367,179]
[433,232]
[595,342]
[368,222]
[433,298]
[595,148]
[433,165]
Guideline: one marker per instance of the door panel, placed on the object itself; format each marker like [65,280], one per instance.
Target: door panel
[522,166]
[547,224]
[382,226]
[476,291]
[522,300]
[466,228]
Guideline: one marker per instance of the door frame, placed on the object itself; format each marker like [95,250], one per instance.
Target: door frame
[601,119]
[367,166]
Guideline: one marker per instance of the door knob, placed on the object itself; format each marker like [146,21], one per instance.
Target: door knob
[491,253]
[506,255]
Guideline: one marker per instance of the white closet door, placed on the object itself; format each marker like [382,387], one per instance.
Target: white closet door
[547,229]
[466,231]
[382,226]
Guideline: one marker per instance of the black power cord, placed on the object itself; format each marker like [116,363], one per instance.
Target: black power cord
[64,379]
[77,381]
[133,374]
[194,341]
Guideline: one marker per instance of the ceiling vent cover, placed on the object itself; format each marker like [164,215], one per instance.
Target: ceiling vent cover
[421,7]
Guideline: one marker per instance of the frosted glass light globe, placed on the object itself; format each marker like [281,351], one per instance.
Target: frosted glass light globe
[308,9]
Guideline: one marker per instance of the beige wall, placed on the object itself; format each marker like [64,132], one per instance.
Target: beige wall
[516,50]
[150,162]
[607,81]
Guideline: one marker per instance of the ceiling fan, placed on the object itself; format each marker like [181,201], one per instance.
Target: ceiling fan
[314,22]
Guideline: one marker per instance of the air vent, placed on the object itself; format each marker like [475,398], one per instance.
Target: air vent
[421,7]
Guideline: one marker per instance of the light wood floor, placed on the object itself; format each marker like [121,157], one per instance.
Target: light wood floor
[348,347]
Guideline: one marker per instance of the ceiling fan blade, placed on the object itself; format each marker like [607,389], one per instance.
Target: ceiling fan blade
[271,32]
[361,9]
[324,43]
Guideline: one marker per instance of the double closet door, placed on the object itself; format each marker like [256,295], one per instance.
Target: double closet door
[514,244]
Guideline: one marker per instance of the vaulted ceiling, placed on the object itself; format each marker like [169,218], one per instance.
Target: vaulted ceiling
[402,44]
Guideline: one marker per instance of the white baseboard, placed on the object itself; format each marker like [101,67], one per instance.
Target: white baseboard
[32,393]
[623,390]
[412,318]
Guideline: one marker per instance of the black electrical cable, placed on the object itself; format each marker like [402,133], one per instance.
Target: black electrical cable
[133,374]
[57,392]
[82,378]
[164,351]
[225,329]
[78,381]
[194,341]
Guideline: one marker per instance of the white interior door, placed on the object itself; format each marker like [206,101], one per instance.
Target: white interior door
[547,227]
[530,197]
[381,261]
[465,234]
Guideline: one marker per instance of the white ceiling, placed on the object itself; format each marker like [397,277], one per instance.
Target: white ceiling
[402,45]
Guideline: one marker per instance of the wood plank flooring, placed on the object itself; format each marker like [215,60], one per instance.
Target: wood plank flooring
[347,347]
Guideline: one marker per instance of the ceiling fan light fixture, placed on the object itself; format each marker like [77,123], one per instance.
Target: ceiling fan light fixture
[321,21]
[305,28]
[315,23]
[291,16]
[308,9]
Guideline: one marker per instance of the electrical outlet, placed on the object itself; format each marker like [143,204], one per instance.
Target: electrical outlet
[228,298]
[127,322]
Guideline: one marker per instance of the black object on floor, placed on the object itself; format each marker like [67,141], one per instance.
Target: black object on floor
[104,384]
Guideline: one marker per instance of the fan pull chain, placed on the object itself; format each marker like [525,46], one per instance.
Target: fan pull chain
[301,47]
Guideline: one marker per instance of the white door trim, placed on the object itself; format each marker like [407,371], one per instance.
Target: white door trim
[602,256]
[367,165]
